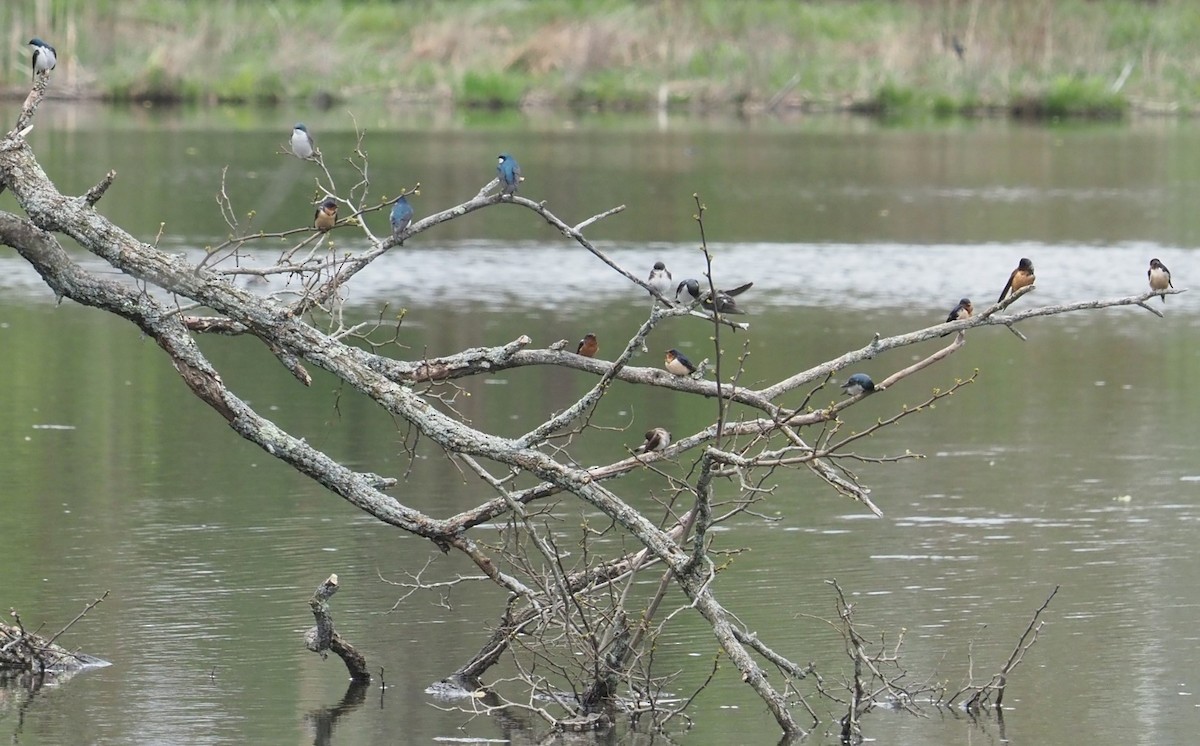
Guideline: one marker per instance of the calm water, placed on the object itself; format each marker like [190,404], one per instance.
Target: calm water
[1071,462]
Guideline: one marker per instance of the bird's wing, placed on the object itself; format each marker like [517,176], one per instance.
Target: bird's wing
[1007,286]
[739,289]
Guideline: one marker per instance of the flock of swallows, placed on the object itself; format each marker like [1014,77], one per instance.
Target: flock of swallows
[689,291]
[325,218]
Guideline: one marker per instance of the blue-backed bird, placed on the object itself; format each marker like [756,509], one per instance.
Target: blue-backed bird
[326,215]
[677,364]
[963,310]
[1160,277]
[402,215]
[656,440]
[510,173]
[588,346]
[690,291]
[660,280]
[44,57]
[857,384]
[1020,277]
[303,145]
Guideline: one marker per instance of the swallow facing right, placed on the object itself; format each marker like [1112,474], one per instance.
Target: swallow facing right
[963,310]
[402,215]
[588,346]
[857,384]
[326,215]
[1020,277]
[44,57]
[690,291]
[677,364]
[656,440]
[660,280]
[302,143]
[510,173]
[1160,277]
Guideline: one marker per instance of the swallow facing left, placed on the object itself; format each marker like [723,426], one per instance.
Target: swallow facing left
[402,215]
[1160,277]
[660,280]
[690,291]
[302,142]
[963,310]
[1020,277]
[656,440]
[677,364]
[857,384]
[326,215]
[44,57]
[588,346]
[510,173]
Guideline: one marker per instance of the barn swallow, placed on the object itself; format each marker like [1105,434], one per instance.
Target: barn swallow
[677,364]
[660,280]
[326,215]
[302,143]
[963,310]
[44,57]
[588,346]
[402,215]
[656,440]
[1160,277]
[690,291]
[1020,277]
[858,383]
[510,173]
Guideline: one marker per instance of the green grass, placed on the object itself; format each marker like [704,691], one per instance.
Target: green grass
[887,56]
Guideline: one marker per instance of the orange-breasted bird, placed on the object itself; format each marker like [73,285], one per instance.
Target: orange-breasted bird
[326,215]
[588,346]
[963,310]
[1020,277]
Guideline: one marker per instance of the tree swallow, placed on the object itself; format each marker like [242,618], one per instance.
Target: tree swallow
[44,57]
[660,280]
[588,346]
[857,384]
[326,215]
[510,173]
[963,310]
[302,142]
[690,291]
[1020,277]
[656,440]
[1160,277]
[402,215]
[677,364]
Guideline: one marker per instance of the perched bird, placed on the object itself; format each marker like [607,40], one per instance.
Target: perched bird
[660,280]
[677,364]
[1020,277]
[690,291]
[857,384]
[963,310]
[588,346]
[656,440]
[1160,277]
[44,57]
[402,215]
[326,215]
[302,142]
[510,173]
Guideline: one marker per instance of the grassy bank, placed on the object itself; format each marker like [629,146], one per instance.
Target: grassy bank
[1026,57]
